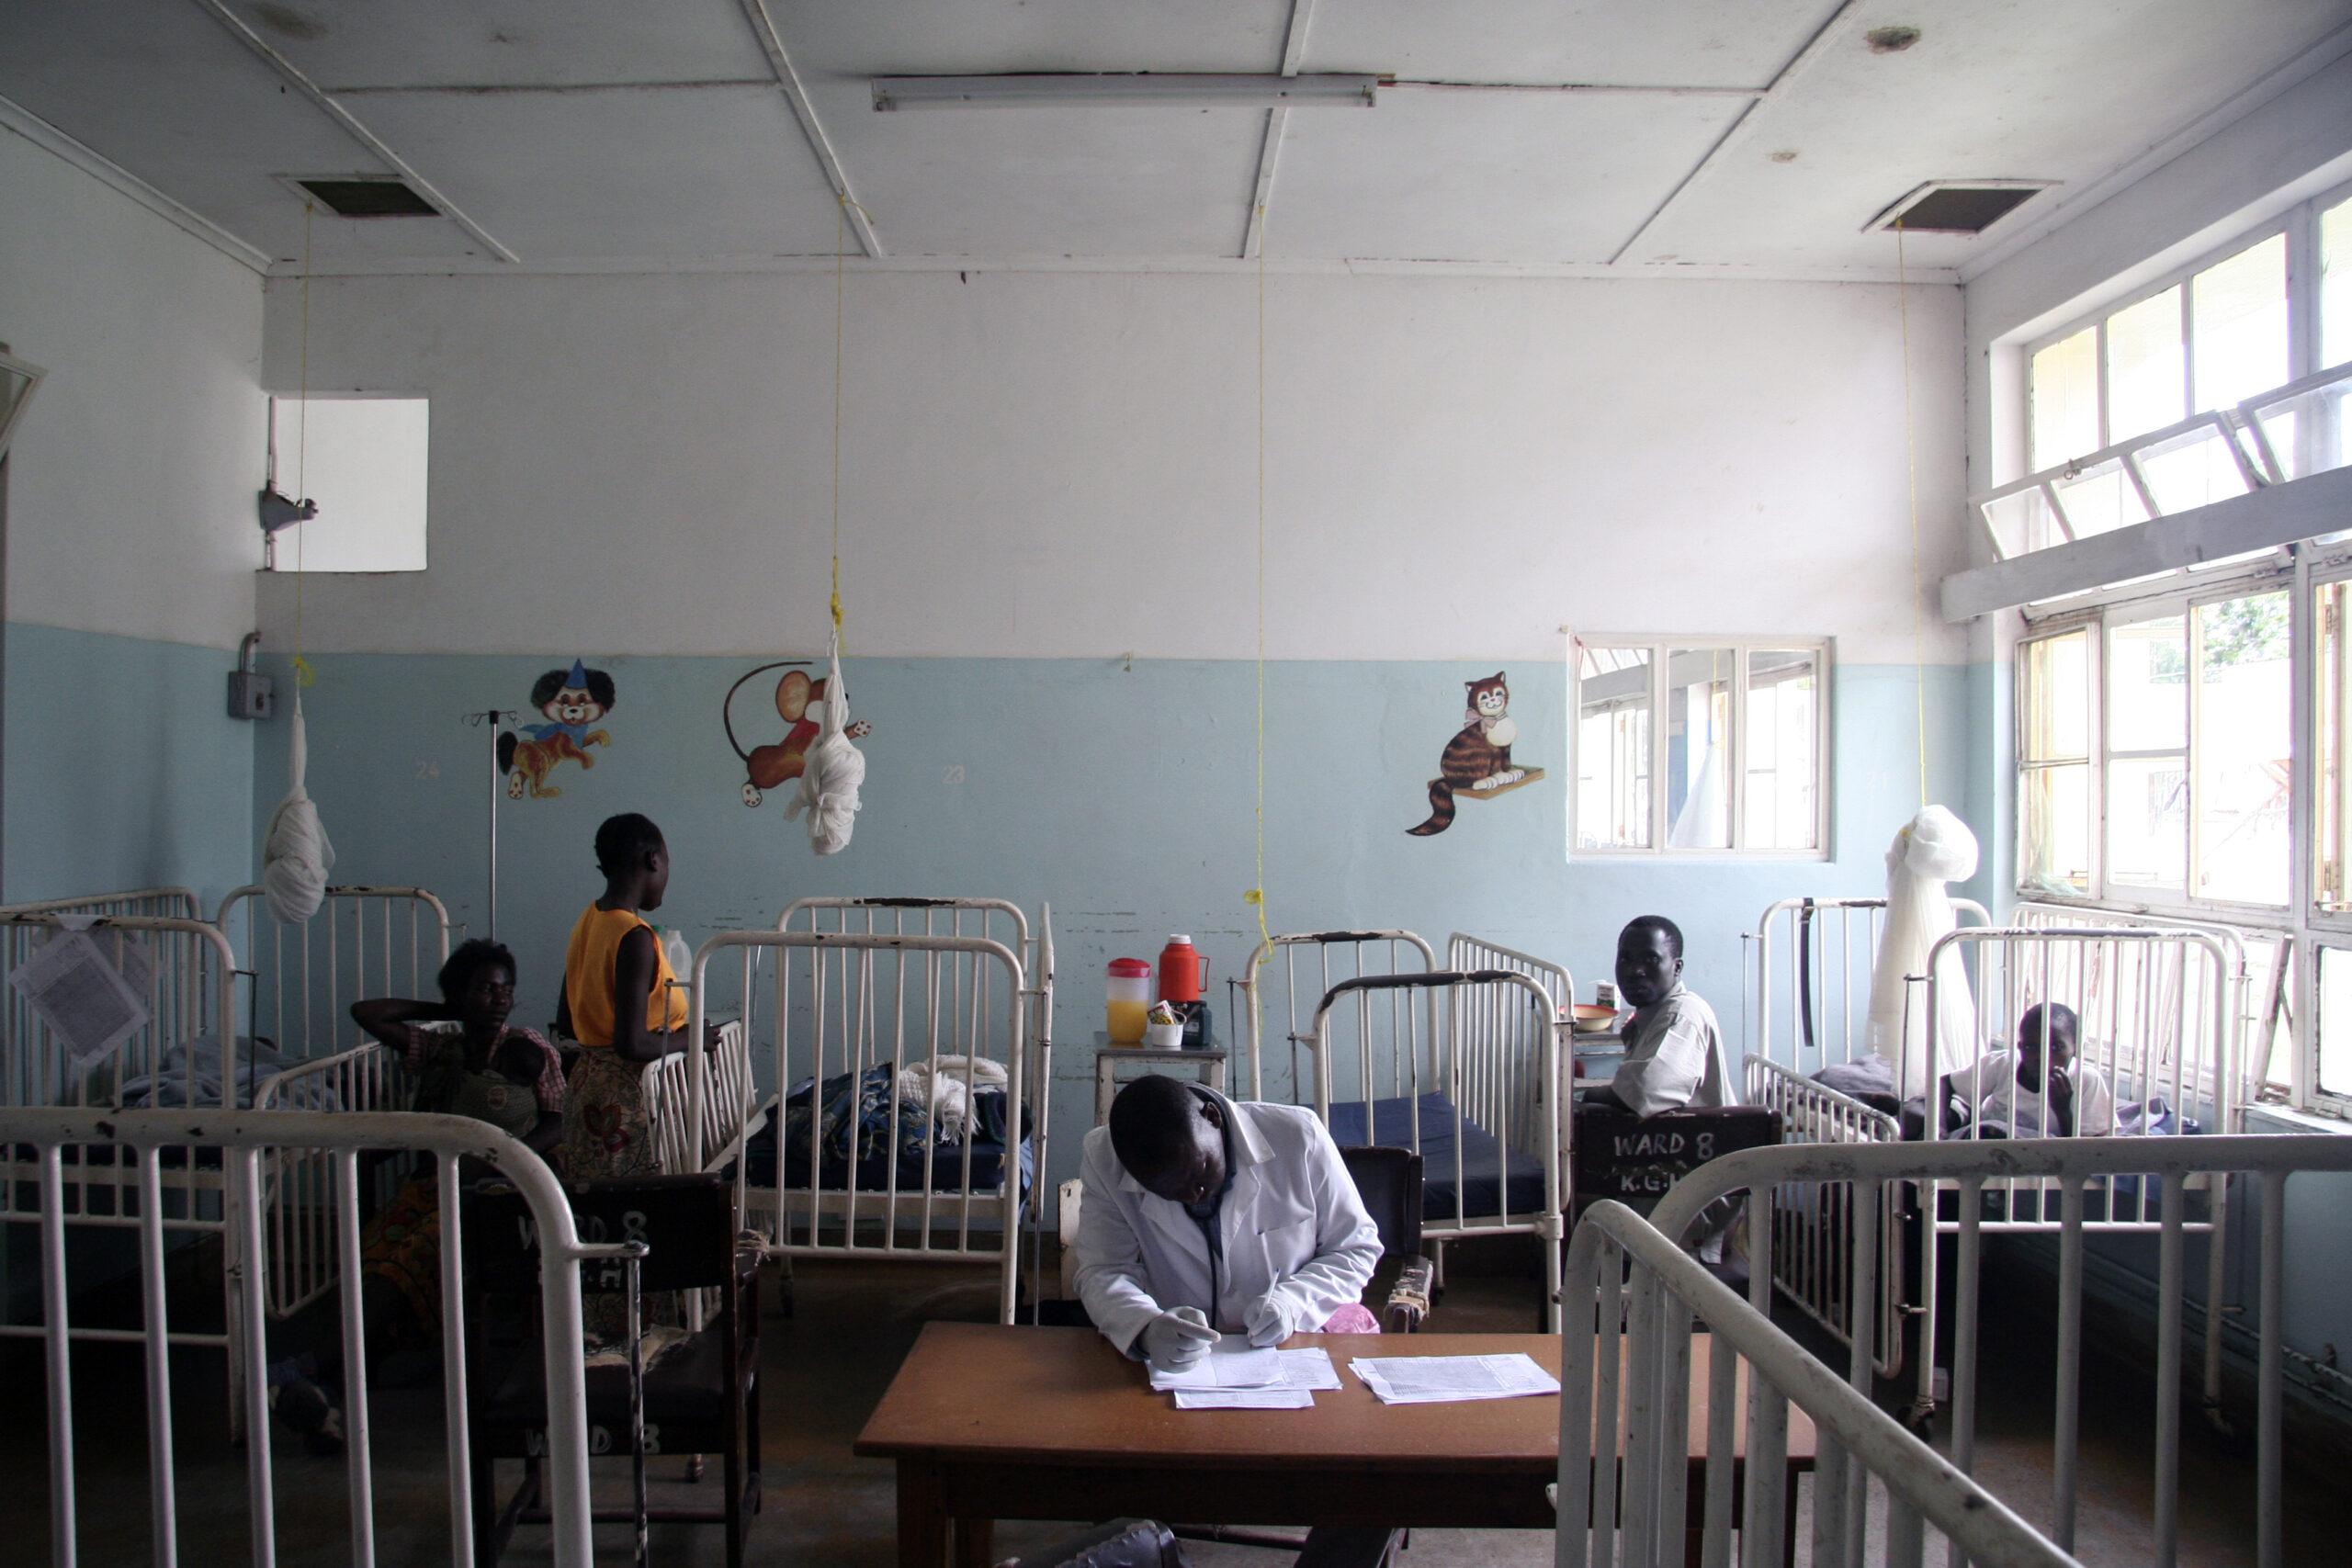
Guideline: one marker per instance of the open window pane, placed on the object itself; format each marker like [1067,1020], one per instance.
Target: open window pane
[2238,324]
[2245,749]
[2022,523]
[1613,748]
[2335,1020]
[2054,829]
[1698,745]
[2147,686]
[2101,500]
[2065,401]
[1783,749]
[2056,699]
[2336,285]
[2191,470]
[2144,390]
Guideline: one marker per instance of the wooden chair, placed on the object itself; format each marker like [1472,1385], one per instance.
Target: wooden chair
[702,1396]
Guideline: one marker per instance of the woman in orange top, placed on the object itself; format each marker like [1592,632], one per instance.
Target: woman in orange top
[620,1002]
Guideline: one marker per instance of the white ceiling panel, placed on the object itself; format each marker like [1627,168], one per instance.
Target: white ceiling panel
[678,173]
[1693,44]
[922,38]
[164,92]
[1092,180]
[1993,89]
[442,43]
[1484,176]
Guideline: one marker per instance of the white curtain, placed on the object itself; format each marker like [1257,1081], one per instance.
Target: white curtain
[1933,848]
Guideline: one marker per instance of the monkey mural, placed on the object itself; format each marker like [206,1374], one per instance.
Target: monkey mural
[765,767]
[1476,761]
[570,701]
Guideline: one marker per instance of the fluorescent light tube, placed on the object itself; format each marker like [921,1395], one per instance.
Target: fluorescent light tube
[1129,89]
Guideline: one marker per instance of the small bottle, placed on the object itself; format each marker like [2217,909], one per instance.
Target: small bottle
[680,956]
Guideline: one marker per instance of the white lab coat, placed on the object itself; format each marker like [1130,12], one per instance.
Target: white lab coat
[1292,1224]
[1674,1057]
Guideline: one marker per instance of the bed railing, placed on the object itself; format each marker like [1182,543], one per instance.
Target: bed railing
[1624,1489]
[1807,1007]
[1809,982]
[851,1013]
[2074,1167]
[364,941]
[725,1122]
[1369,1043]
[298,1213]
[1298,969]
[148,903]
[133,1140]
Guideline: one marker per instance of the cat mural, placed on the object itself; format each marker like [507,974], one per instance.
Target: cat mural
[1478,759]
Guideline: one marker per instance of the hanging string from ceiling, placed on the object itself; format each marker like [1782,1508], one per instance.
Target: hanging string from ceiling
[1911,461]
[1256,896]
[834,768]
[296,854]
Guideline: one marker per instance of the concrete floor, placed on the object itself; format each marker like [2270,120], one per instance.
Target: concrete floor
[826,1366]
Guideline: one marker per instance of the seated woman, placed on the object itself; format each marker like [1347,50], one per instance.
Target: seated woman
[483,1068]
[2030,1092]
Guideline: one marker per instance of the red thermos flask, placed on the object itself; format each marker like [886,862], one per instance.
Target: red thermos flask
[1182,971]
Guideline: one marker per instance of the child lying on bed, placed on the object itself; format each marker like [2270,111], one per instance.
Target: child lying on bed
[2033,1091]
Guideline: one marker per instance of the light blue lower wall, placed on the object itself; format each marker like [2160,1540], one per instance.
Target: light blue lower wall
[1123,796]
[123,767]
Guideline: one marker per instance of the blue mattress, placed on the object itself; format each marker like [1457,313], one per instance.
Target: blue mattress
[1489,1171]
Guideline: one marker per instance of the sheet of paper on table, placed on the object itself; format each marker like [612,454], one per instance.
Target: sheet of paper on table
[1310,1369]
[1232,1362]
[1438,1379]
[1275,1398]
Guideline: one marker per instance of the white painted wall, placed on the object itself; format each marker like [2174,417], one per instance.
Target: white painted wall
[131,481]
[1057,465]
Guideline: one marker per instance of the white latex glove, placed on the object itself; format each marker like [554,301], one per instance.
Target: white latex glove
[1175,1340]
[1268,1321]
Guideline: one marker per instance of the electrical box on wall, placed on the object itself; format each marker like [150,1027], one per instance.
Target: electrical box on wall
[252,695]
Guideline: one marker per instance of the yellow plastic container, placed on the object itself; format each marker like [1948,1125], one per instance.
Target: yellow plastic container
[1128,987]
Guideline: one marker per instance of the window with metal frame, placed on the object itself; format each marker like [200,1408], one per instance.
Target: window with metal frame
[364,459]
[2156,754]
[1697,746]
[2232,375]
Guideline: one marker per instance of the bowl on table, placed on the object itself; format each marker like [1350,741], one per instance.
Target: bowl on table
[1163,1036]
[1589,1019]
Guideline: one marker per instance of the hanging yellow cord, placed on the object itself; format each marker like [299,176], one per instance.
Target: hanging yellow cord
[1256,896]
[841,252]
[1911,458]
[303,674]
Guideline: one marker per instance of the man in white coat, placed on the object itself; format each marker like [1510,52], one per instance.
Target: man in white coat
[1241,1217]
[1201,1216]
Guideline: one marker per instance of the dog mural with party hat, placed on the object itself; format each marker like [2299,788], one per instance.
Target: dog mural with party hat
[571,701]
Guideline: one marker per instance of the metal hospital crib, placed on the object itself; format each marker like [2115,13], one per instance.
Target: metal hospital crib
[850,1007]
[301,980]
[1465,1066]
[2159,1008]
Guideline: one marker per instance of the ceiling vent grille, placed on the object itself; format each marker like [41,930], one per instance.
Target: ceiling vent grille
[364,196]
[1957,206]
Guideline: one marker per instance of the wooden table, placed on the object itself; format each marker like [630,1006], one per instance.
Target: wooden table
[991,1423]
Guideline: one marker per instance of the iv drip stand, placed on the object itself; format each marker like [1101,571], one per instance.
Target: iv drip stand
[490,719]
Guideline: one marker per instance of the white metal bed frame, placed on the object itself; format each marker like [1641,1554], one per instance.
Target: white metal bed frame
[1825,969]
[860,997]
[2075,1167]
[1503,1063]
[1505,1079]
[244,1137]
[302,981]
